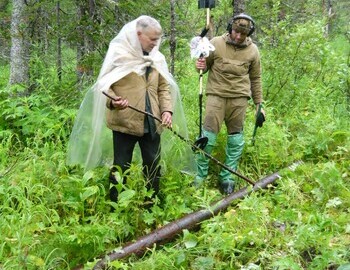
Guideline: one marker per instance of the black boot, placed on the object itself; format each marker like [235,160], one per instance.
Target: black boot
[113,192]
[227,187]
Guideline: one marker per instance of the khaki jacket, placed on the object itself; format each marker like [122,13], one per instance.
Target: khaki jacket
[134,87]
[234,71]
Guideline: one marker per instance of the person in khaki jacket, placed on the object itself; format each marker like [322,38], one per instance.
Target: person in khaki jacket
[234,76]
[147,91]
[135,74]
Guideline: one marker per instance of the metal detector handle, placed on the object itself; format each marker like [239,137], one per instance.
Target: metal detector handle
[201,82]
[204,32]
[200,101]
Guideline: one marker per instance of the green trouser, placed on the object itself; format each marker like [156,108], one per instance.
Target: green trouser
[234,149]
[202,160]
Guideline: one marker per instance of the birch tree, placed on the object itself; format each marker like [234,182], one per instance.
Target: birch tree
[19,71]
[329,13]
[59,42]
[172,36]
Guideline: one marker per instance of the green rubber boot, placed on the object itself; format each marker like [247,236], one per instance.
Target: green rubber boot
[234,149]
[202,160]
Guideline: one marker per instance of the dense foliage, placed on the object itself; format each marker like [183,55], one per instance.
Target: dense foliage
[58,217]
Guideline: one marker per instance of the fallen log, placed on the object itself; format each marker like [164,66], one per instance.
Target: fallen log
[189,221]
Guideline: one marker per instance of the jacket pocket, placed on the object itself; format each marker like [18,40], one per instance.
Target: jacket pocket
[234,67]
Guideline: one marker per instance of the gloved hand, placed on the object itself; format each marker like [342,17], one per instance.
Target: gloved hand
[259,120]
[259,116]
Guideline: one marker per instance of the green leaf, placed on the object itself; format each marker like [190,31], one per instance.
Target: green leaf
[180,258]
[126,196]
[88,176]
[118,265]
[37,261]
[89,191]
[148,218]
[190,240]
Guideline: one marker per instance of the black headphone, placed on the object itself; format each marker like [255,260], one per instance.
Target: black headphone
[242,16]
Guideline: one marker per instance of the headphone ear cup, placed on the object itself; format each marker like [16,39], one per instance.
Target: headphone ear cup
[229,27]
[252,29]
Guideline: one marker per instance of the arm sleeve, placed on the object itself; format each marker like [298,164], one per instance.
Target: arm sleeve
[164,96]
[255,79]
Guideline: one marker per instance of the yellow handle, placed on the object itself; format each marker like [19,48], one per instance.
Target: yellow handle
[208,18]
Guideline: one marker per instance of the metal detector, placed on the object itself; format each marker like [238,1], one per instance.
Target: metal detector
[202,141]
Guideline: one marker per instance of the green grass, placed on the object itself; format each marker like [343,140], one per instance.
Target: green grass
[58,217]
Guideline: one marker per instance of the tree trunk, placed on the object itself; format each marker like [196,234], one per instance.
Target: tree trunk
[59,43]
[189,221]
[5,19]
[238,7]
[172,36]
[39,20]
[85,44]
[19,71]
[329,14]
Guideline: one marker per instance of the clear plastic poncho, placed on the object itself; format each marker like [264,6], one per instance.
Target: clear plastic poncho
[90,143]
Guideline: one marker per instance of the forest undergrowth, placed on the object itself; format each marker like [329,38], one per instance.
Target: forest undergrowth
[58,217]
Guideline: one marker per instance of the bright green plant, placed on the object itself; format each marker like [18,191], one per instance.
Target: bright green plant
[58,217]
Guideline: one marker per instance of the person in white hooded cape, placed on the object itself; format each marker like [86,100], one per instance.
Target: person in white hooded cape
[90,144]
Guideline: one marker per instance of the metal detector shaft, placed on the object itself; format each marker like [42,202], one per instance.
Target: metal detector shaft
[200,102]
[188,142]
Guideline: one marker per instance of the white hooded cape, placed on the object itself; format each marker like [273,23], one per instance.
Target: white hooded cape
[90,143]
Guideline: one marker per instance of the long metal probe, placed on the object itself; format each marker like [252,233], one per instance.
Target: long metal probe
[188,142]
